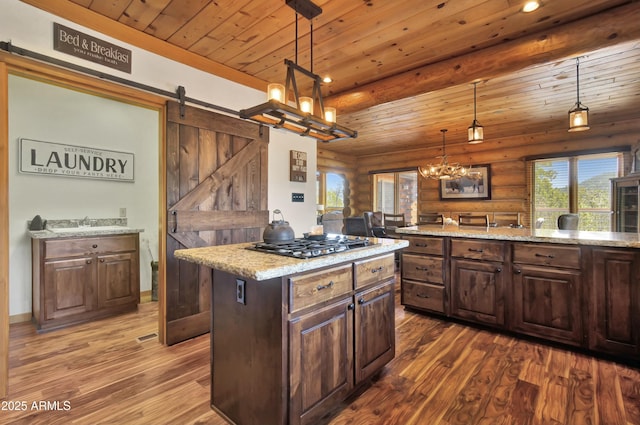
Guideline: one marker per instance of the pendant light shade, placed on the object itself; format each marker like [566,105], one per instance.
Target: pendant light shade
[476,131]
[444,170]
[579,114]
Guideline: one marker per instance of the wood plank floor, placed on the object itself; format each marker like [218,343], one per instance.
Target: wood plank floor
[444,373]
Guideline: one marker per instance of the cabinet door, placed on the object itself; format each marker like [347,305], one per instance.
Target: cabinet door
[321,361]
[477,291]
[67,288]
[547,303]
[615,302]
[118,280]
[374,329]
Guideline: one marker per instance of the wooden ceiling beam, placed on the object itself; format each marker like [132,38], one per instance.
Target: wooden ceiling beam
[573,39]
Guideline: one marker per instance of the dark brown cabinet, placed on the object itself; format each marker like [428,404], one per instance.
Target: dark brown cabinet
[423,274]
[547,292]
[614,309]
[295,347]
[79,279]
[477,281]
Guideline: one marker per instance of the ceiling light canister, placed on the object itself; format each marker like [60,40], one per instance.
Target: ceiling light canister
[530,6]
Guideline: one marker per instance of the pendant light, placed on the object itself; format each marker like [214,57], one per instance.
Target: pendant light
[444,170]
[579,114]
[307,116]
[476,132]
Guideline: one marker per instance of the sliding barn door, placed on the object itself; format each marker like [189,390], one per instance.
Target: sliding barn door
[216,194]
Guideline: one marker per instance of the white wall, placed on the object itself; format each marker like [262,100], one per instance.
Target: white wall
[32,29]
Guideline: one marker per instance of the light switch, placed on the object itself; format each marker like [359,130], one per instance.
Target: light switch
[297,197]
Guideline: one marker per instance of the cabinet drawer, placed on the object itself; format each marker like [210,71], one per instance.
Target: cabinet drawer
[313,288]
[421,245]
[423,295]
[374,270]
[60,248]
[547,255]
[423,268]
[477,249]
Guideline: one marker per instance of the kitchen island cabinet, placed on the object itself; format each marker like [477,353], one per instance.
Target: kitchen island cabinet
[292,338]
[573,287]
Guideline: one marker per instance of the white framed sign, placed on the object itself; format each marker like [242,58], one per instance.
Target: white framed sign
[60,160]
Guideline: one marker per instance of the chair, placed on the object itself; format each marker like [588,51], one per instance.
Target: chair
[478,220]
[510,219]
[355,226]
[430,218]
[539,223]
[568,221]
[373,224]
[332,222]
[392,222]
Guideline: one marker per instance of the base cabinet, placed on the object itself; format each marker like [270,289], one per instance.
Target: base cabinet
[615,302]
[297,346]
[80,279]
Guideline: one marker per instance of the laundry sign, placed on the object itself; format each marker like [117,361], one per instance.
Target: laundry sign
[60,160]
[84,46]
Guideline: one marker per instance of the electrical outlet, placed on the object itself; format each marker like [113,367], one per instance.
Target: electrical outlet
[123,212]
[240,295]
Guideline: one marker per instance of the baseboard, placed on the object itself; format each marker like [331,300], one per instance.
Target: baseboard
[145,297]
[20,318]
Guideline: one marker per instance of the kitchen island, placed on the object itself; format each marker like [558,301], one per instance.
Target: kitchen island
[291,338]
[574,287]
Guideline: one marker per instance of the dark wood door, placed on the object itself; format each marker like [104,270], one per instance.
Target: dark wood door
[68,290]
[546,302]
[216,180]
[118,279]
[615,301]
[321,361]
[477,291]
[374,330]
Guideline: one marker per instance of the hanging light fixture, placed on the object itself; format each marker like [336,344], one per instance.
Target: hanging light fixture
[444,170]
[476,131]
[308,117]
[579,114]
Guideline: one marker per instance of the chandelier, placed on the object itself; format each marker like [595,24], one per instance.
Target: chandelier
[444,170]
[579,114]
[299,115]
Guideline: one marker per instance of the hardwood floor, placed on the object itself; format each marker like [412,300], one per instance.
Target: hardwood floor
[444,373]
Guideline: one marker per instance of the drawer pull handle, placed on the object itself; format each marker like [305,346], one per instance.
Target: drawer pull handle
[476,249]
[419,295]
[379,269]
[421,245]
[94,245]
[545,255]
[328,285]
[424,269]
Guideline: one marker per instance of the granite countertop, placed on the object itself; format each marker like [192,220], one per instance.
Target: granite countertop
[256,265]
[569,237]
[70,228]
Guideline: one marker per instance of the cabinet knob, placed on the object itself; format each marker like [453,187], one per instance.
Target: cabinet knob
[361,301]
[498,270]
[95,245]
[351,306]
[88,261]
[517,271]
[102,260]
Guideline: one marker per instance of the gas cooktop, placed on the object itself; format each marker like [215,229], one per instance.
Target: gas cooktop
[308,248]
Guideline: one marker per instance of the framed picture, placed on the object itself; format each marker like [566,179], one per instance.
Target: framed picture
[298,171]
[475,185]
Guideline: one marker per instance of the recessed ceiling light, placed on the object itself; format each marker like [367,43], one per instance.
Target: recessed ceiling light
[327,79]
[530,6]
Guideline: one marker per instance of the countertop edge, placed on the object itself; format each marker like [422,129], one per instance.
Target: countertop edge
[47,234]
[260,266]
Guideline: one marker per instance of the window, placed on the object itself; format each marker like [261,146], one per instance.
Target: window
[577,184]
[396,192]
[330,189]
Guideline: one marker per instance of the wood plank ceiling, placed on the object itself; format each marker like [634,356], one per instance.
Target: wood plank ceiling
[403,69]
